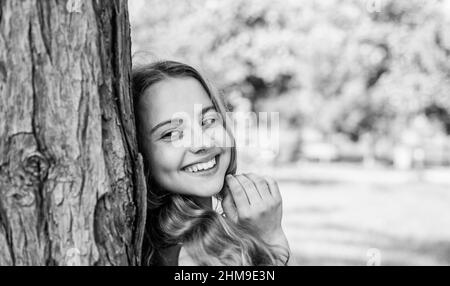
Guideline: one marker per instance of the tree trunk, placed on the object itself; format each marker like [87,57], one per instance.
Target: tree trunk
[72,190]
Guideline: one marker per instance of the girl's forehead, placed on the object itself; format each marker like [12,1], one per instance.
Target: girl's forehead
[166,98]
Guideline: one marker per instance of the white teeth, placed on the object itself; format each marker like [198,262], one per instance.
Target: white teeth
[202,166]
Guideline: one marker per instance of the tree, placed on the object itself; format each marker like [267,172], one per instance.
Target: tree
[72,188]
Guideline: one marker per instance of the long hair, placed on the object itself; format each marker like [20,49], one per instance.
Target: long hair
[208,237]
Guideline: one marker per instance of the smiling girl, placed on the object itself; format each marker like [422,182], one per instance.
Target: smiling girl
[188,161]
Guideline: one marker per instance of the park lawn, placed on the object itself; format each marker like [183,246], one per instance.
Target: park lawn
[338,214]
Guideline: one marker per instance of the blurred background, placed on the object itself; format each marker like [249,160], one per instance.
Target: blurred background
[362,89]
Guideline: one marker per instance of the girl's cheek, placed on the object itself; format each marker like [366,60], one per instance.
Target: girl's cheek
[221,137]
[165,158]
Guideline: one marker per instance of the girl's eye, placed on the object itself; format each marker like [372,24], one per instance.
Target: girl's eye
[211,119]
[172,135]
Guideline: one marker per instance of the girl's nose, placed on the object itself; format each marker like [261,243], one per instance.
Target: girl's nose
[203,141]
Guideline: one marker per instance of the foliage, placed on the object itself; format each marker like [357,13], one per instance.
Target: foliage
[361,65]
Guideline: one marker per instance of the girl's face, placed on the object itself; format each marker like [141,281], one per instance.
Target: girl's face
[184,137]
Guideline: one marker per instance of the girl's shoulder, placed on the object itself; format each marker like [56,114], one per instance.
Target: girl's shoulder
[185,259]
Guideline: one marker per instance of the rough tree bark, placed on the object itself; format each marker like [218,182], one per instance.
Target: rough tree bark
[71,179]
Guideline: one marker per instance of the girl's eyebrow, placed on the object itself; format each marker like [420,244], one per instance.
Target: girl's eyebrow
[159,125]
[208,108]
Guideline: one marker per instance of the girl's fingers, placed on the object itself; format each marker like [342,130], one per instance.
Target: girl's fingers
[261,185]
[239,195]
[273,186]
[252,193]
[229,208]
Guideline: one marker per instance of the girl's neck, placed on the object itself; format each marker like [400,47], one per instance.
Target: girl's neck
[205,203]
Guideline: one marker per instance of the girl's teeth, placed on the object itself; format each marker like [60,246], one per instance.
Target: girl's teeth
[202,166]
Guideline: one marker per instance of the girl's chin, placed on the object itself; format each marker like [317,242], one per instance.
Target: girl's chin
[206,193]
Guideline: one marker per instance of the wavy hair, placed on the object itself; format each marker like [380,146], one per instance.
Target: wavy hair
[209,238]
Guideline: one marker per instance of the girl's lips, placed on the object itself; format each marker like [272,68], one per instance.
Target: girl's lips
[203,160]
[206,173]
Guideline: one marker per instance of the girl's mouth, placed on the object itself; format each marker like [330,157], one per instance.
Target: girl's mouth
[204,169]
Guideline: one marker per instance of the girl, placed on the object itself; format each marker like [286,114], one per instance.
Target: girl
[185,138]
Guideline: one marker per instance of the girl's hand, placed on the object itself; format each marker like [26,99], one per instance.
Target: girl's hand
[256,200]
